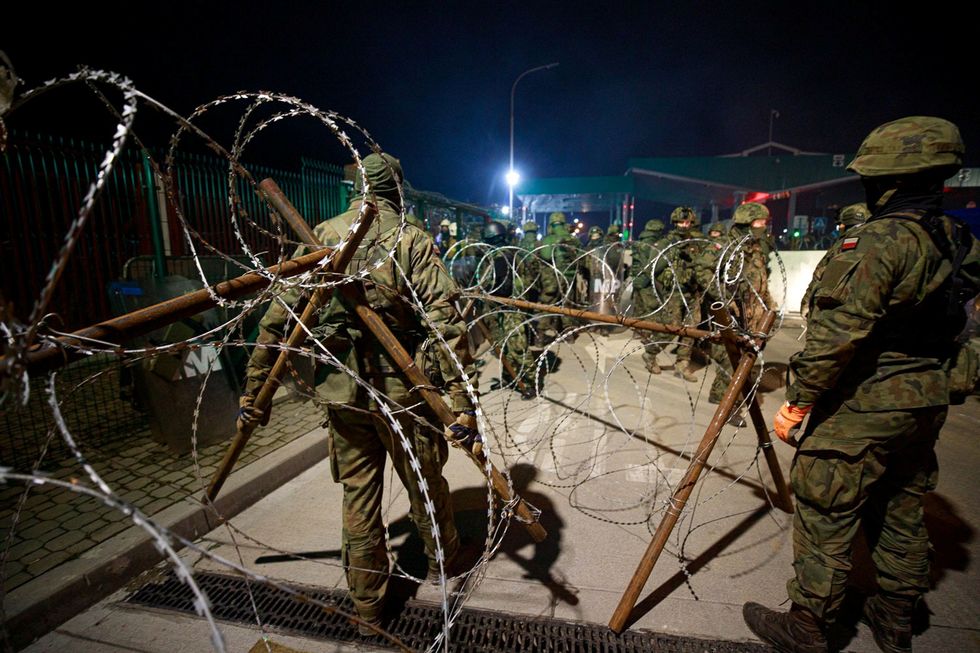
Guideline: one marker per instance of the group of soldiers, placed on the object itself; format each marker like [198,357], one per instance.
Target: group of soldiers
[876,371]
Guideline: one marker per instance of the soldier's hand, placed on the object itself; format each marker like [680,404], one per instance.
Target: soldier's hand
[787,421]
[464,432]
[248,414]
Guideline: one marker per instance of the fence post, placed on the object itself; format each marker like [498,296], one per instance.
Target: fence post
[156,230]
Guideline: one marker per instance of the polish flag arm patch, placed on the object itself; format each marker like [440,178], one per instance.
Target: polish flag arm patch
[849,243]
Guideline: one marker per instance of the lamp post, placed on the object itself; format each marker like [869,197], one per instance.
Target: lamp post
[512,176]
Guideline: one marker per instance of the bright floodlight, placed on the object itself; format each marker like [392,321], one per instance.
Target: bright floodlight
[505,210]
[512,177]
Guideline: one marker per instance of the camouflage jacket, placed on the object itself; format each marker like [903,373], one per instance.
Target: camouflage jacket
[676,265]
[706,265]
[817,275]
[641,269]
[561,250]
[388,291]
[753,282]
[875,339]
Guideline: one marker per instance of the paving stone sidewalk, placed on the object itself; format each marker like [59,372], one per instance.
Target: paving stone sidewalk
[53,525]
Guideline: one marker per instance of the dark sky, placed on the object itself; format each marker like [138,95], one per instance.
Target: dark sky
[432,81]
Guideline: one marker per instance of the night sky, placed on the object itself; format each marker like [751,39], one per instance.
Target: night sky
[432,82]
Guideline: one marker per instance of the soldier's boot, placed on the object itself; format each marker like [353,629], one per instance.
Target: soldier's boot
[652,366]
[683,370]
[364,628]
[796,631]
[890,620]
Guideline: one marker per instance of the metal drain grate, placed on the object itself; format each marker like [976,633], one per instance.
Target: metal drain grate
[475,631]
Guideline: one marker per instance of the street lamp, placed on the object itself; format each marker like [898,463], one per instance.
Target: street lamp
[512,176]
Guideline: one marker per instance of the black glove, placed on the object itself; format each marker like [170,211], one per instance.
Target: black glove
[464,432]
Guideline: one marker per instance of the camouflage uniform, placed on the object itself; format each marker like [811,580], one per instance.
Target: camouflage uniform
[872,370]
[706,273]
[444,239]
[529,241]
[559,251]
[674,280]
[850,216]
[359,437]
[645,300]
[507,326]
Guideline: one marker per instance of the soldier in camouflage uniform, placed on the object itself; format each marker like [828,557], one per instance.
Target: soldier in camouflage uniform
[750,246]
[674,279]
[706,273]
[871,379]
[445,238]
[529,240]
[559,253]
[850,216]
[359,437]
[503,274]
[595,239]
[645,300]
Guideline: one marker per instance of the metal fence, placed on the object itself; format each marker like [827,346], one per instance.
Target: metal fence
[133,233]
[43,180]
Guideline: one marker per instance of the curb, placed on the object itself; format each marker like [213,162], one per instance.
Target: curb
[43,604]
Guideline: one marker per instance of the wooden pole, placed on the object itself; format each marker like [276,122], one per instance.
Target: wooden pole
[683,492]
[784,501]
[63,350]
[633,323]
[263,400]
[354,297]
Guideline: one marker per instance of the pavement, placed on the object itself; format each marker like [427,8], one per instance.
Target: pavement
[598,453]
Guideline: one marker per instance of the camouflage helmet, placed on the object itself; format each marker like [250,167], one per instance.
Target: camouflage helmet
[445,222]
[853,214]
[682,213]
[595,231]
[908,146]
[495,233]
[715,227]
[530,225]
[557,218]
[749,212]
[655,226]
[614,230]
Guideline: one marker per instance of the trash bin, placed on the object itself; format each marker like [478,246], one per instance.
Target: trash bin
[168,385]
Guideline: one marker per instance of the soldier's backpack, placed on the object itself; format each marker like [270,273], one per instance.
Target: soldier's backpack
[963,364]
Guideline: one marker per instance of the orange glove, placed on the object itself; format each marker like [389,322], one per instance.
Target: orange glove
[787,421]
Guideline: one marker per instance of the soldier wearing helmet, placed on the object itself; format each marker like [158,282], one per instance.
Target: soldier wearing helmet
[446,237]
[851,216]
[594,239]
[646,256]
[559,252]
[530,238]
[873,378]
[503,273]
[674,284]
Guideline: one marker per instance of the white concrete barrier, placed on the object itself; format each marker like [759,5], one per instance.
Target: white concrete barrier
[799,270]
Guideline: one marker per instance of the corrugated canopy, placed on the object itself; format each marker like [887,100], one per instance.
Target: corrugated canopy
[574,194]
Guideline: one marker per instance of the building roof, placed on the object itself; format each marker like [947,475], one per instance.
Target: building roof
[704,180]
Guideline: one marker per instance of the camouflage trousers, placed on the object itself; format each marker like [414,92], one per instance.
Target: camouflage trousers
[676,313]
[862,469]
[723,372]
[644,303]
[554,291]
[509,332]
[358,443]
